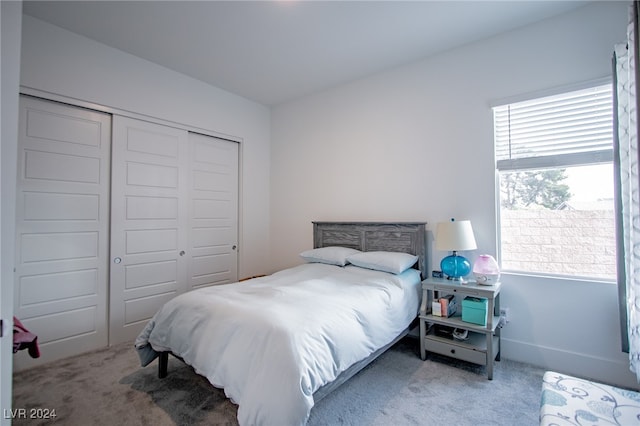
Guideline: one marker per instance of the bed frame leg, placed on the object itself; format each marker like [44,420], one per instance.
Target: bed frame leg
[163,363]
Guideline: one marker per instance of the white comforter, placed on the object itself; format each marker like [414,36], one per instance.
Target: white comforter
[271,342]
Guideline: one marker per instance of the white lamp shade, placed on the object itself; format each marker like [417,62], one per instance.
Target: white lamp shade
[455,235]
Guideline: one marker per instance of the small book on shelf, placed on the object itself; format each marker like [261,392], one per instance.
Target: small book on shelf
[444,306]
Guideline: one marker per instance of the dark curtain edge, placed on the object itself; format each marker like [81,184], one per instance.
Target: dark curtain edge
[621,269]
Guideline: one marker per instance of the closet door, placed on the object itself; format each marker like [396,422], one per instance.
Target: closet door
[148,222]
[174,219]
[62,217]
[213,212]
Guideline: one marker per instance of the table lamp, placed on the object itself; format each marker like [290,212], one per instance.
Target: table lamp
[455,235]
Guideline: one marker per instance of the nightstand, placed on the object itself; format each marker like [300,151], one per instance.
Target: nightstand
[483,343]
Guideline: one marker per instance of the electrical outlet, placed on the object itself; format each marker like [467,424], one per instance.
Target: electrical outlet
[504,312]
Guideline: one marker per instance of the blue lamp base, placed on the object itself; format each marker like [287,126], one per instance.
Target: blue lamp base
[455,267]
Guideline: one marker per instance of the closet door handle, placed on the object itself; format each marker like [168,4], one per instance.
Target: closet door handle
[117,260]
[182,253]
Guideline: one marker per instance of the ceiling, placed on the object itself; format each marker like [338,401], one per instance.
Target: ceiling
[276,51]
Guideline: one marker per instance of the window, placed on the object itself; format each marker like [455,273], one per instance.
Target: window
[554,157]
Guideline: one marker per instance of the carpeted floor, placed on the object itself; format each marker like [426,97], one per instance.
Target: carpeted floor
[108,387]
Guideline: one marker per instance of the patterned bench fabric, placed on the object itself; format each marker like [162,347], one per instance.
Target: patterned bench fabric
[568,400]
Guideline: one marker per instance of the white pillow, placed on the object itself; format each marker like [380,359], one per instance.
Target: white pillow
[387,261]
[332,255]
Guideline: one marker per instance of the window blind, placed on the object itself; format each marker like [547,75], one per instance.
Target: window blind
[561,130]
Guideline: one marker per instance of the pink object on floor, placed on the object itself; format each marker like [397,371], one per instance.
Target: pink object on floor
[24,339]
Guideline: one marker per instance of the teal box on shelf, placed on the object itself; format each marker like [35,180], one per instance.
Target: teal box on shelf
[474,310]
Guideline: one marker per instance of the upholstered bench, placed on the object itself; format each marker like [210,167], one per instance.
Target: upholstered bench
[568,400]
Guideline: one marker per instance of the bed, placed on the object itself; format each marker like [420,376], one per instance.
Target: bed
[280,343]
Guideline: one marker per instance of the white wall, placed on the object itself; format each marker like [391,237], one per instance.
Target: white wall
[10,14]
[416,143]
[63,63]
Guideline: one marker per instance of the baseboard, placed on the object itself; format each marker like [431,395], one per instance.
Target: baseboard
[608,371]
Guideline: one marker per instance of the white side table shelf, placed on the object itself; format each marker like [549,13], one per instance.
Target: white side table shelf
[483,345]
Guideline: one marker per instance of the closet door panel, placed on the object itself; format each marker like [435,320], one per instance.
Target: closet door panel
[39,206]
[62,220]
[213,221]
[148,222]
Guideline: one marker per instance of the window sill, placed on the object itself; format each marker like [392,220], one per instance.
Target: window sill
[554,277]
